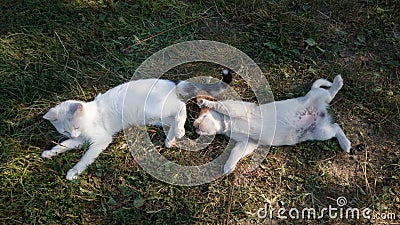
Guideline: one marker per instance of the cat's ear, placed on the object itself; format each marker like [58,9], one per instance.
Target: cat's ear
[51,115]
[76,108]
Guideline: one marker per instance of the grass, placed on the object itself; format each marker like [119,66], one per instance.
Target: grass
[51,51]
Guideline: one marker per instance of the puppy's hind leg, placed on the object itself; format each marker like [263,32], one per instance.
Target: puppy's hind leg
[345,144]
[336,86]
[328,131]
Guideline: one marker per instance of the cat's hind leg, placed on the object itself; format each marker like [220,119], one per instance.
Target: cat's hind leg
[63,147]
[170,123]
[177,126]
[170,140]
[180,120]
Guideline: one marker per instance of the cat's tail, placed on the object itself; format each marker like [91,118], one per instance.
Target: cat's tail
[189,89]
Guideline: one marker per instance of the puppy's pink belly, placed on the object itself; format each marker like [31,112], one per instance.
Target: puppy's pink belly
[307,121]
[297,127]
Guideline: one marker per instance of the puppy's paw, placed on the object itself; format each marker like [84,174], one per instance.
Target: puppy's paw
[170,143]
[72,174]
[338,80]
[200,103]
[48,154]
[203,103]
[346,145]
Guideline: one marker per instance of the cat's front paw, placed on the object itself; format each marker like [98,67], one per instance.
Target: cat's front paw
[72,174]
[48,154]
[170,143]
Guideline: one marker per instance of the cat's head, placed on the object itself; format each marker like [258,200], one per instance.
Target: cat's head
[66,118]
[208,122]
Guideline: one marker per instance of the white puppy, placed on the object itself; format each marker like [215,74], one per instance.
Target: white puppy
[296,120]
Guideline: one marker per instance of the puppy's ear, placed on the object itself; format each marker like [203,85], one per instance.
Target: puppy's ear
[204,95]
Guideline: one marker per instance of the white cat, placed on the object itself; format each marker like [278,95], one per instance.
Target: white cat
[139,102]
[250,125]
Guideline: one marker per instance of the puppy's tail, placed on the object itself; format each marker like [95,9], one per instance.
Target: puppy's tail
[226,76]
[321,83]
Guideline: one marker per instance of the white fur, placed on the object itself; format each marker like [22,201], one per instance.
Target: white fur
[296,120]
[140,102]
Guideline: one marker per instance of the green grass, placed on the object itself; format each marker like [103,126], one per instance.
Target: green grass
[51,51]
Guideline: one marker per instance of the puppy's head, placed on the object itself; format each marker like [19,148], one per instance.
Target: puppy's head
[208,122]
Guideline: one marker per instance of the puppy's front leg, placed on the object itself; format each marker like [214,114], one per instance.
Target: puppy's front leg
[98,145]
[231,108]
[241,150]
